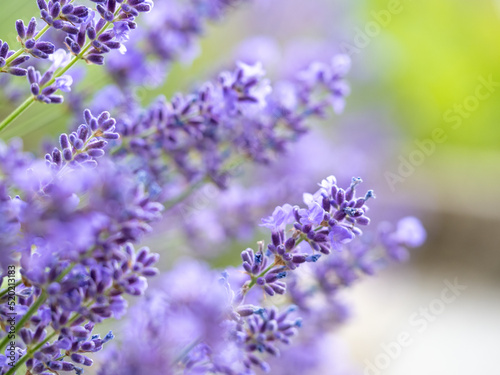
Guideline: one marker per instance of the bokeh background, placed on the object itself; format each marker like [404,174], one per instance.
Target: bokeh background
[418,66]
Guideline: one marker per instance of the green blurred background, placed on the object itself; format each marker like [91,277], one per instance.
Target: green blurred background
[417,67]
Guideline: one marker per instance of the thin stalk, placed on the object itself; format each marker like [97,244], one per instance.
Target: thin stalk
[185,194]
[254,279]
[29,354]
[17,112]
[33,309]
[27,103]
[20,51]
[4,292]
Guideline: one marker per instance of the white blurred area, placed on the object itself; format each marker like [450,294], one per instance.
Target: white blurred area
[463,339]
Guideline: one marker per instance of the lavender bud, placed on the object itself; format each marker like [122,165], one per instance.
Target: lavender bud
[97,153]
[91,33]
[363,220]
[246,310]
[81,359]
[42,5]
[21,31]
[35,89]
[19,72]
[67,9]
[96,59]
[30,43]
[55,10]
[30,32]
[26,335]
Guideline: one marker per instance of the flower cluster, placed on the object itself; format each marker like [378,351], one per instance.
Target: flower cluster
[238,114]
[37,80]
[197,314]
[166,35]
[86,144]
[326,224]
[10,64]
[234,334]
[87,36]
[69,228]
[92,27]
[191,308]
[262,331]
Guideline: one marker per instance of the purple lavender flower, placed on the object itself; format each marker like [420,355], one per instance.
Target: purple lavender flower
[75,259]
[121,30]
[313,215]
[408,233]
[190,309]
[327,223]
[86,37]
[64,83]
[196,314]
[235,115]
[339,236]
[169,33]
[279,219]
[59,59]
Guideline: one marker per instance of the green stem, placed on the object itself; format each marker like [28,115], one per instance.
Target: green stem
[33,309]
[27,103]
[186,193]
[29,354]
[263,273]
[23,107]
[20,51]
[4,292]
[254,279]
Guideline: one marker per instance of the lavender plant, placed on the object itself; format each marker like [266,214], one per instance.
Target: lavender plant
[72,223]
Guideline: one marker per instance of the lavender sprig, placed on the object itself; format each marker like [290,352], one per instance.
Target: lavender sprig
[169,34]
[89,243]
[328,223]
[85,145]
[240,113]
[89,42]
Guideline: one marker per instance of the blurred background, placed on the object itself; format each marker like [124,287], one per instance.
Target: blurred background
[420,127]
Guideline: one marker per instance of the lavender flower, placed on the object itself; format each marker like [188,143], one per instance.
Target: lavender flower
[328,222]
[408,233]
[26,34]
[85,145]
[45,95]
[235,115]
[76,264]
[11,67]
[196,314]
[222,327]
[81,24]
[190,309]
[168,34]
[86,37]
[72,222]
